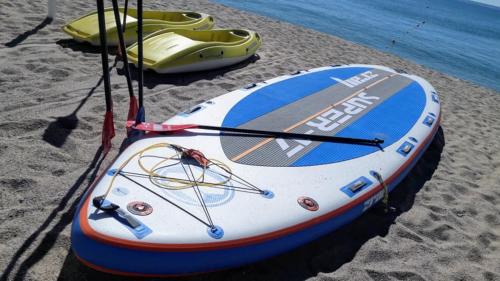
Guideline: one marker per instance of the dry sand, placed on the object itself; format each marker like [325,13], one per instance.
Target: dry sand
[447,223]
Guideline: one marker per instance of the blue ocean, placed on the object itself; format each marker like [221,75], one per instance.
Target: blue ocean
[458,37]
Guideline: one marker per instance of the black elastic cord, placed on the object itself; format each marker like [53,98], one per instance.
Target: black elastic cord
[200,196]
[157,194]
[220,186]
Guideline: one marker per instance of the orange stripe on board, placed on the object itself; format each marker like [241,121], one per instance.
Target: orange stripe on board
[266,141]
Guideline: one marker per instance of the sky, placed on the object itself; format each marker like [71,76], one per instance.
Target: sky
[489,2]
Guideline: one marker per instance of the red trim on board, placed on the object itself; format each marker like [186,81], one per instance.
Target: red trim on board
[132,274]
[118,242]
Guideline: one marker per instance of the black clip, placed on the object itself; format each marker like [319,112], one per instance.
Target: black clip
[97,202]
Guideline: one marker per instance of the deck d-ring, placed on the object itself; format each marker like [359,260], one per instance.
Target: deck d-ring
[267,194]
[215,232]
[308,203]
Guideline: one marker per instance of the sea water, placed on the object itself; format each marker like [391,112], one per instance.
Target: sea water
[458,37]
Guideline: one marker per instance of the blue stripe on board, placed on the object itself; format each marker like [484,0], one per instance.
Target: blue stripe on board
[280,94]
[389,121]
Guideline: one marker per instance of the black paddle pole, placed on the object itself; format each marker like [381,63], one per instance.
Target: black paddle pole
[108,130]
[287,135]
[140,49]
[104,54]
[133,103]
[169,129]
[141,114]
[125,10]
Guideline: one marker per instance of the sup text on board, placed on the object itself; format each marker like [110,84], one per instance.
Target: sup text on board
[356,80]
[329,121]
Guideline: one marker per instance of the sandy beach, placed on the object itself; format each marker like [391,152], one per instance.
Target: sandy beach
[446,223]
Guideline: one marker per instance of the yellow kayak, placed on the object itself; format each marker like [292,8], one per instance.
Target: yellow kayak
[176,50]
[86,29]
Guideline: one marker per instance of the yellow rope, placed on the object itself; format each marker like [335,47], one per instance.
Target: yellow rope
[163,181]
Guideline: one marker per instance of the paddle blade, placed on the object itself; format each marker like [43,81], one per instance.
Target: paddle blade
[132,132]
[108,131]
[132,109]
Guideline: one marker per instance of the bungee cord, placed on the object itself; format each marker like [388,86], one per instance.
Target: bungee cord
[187,158]
[159,180]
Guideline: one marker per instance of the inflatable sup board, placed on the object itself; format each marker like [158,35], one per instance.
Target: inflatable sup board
[200,200]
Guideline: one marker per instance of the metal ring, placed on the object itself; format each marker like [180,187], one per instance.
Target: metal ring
[139,208]
[308,203]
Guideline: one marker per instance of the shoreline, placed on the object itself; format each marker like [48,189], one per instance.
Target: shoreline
[447,225]
[390,38]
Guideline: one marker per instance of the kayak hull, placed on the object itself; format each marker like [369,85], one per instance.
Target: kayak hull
[178,51]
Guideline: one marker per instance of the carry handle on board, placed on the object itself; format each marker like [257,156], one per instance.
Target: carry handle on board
[102,204]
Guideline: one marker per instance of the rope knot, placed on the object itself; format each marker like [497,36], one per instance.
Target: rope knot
[197,156]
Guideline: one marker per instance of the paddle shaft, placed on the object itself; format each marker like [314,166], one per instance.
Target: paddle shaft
[122,47]
[140,55]
[167,128]
[125,10]
[238,130]
[104,55]
[275,134]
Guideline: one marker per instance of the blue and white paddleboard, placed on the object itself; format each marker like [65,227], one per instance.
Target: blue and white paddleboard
[200,201]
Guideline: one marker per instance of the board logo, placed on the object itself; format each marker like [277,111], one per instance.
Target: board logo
[356,80]
[329,121]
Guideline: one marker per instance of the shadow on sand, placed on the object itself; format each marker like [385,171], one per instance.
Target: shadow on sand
[153,79]
[21,37]
[76,46]
[50,236]
[58,131]
[326,254]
